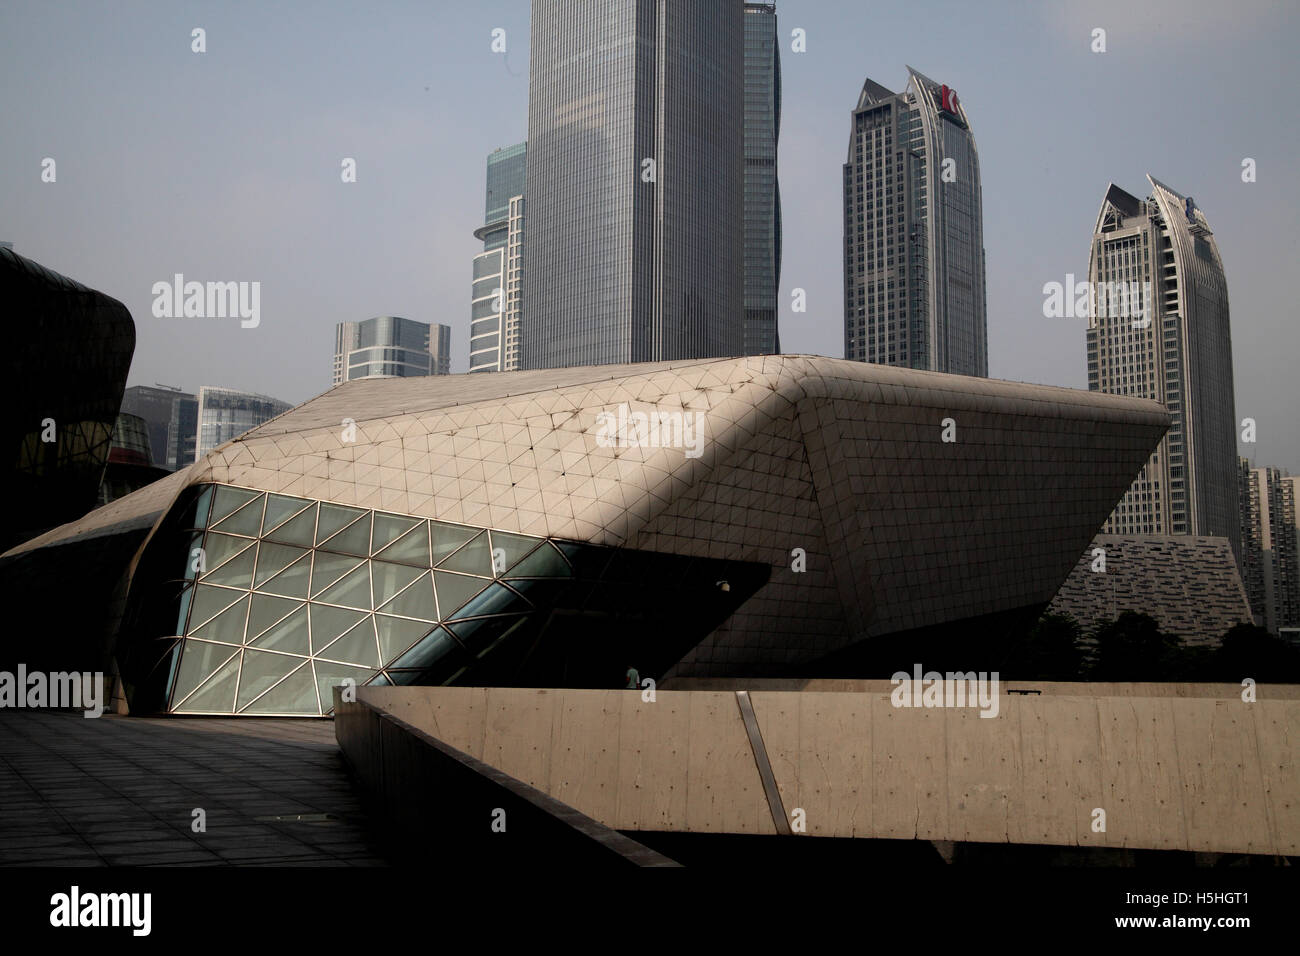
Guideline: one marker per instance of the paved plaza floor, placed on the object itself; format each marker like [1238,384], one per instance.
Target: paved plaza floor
[122,791]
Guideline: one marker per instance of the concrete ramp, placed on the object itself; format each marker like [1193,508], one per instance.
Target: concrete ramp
[1180,771]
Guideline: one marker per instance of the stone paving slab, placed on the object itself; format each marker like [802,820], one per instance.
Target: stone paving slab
[120,791]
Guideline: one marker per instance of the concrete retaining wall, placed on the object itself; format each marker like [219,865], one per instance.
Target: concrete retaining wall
[1180,771]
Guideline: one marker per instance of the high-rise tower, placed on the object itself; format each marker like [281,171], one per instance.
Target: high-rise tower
[913,232]
[388,346]
[1159,329]
[762,192]
[494,309]
[634,249]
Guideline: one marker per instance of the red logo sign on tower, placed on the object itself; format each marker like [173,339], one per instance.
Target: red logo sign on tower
[948,99]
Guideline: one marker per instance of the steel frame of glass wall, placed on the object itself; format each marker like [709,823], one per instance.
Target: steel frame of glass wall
[260,603]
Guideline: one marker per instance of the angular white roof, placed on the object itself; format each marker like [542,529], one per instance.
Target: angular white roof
[845,461]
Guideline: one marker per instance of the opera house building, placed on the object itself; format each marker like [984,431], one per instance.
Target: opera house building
[709,518]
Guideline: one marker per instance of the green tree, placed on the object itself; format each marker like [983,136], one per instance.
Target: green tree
[1050,651]
[1133,648]
[1250,651]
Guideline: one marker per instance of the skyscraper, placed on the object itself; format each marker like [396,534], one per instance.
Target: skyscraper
[762,193]
[390,346]
[913,232]
[635,182]
[1270,545]
[226,413]
[173,419]
[1159,329]
[494,306]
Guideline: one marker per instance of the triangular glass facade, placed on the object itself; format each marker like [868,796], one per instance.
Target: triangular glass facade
[282,598]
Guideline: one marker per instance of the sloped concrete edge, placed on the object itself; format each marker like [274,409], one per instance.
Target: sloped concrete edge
[441,802]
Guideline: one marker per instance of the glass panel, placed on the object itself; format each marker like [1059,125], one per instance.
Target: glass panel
[473,558]
[247,520]
[390,578]
[228,500]
[411,548]
[329,568]
[292,582]
[279,508]
[227,626]
[514,546]
[220,548]
[190,572]
[587,562]
[296,694]
[330,675]
[429,651]
[266,611]
[357,646]
[448,537]
[274,558]
[545,562]
[404,678]
[208,601]
[454,590]
[289,635]
[352,590]
[261,670]
[196,515]
[415,601]
[168,664]
[497,599]
[334,518]
[354,540]
[396,635]
[388,528]
[481,635]
[549,592]
[218,694]
[198,661]
[379,680]
[327,623]
[182,609]
[237,572]
[300,530]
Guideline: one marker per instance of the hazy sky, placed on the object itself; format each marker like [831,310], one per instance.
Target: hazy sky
[225,165]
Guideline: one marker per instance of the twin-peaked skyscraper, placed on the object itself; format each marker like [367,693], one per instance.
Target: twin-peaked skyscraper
[1172,344]
[649,217]
[914,232]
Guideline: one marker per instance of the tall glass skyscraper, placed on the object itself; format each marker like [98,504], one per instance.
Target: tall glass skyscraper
[914,232]
[494,306]
[389,346]
[762,193]
[1169,340]
[635,182]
